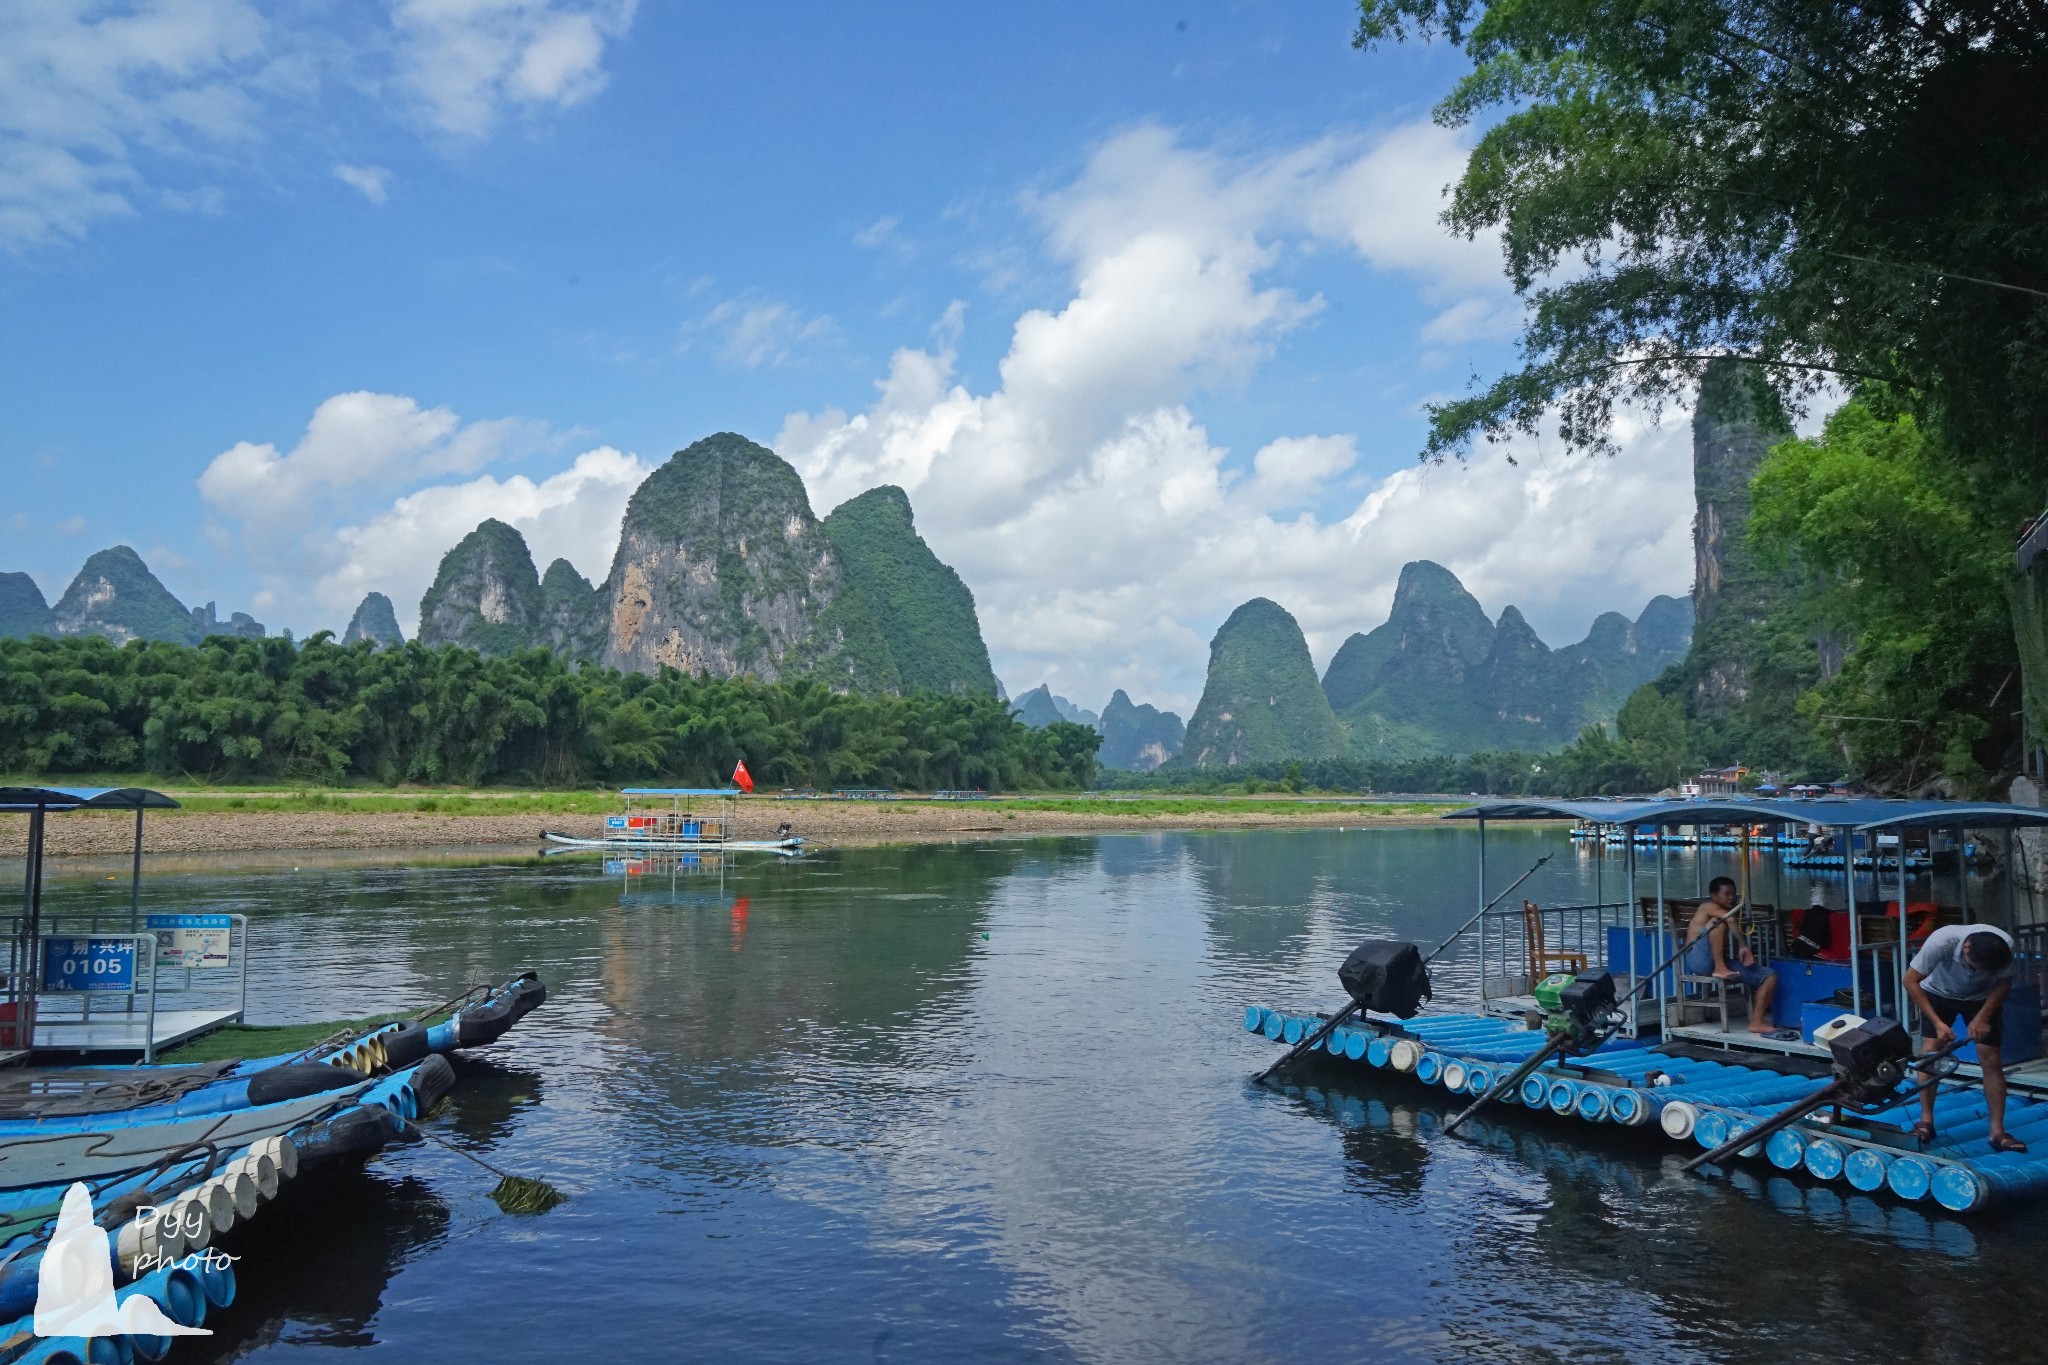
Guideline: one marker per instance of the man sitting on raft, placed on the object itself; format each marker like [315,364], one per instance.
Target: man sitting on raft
[1961,975]
[1713,938]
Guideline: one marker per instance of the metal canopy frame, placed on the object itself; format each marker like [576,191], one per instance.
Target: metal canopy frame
[1847,817]
[1861,814]
[727,797]
[24,968]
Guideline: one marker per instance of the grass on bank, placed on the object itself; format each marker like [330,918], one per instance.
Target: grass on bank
[237,1042]
[271,800]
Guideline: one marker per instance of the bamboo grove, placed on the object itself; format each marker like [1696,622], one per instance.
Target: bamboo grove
[235,710]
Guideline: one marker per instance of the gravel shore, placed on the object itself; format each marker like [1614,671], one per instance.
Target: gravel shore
[91,833]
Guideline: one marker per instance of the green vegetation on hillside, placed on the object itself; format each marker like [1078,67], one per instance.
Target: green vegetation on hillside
[774,606]
[23,608]
[374,620]
[116,596]
[1138,737]
[1910,562]
[490,570]
[251,710]
[1261,699]
[1805,196]
[1439,677]
[923,610]
[573,619]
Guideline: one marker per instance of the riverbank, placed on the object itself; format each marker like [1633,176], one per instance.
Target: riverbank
[209,825]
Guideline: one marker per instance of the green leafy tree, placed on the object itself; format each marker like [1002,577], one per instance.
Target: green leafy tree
[1910,559]
[1826,192]
[241,709]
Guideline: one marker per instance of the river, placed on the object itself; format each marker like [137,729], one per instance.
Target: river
[990,1102]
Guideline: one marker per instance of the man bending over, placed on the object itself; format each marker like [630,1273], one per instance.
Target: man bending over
[1961,976]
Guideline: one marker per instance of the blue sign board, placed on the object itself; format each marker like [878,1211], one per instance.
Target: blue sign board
[615,822]
[89,964]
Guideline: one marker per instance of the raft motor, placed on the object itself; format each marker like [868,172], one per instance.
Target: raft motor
[1870,1060]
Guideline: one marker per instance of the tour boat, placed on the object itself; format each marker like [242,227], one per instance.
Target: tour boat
[675,830]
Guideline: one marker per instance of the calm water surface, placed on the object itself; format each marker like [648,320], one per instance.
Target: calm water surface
[990,1102]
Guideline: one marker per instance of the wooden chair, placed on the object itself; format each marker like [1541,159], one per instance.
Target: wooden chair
[1711,991]
[1540,957]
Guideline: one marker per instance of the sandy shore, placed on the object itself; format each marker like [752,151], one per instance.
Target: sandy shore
[93,833]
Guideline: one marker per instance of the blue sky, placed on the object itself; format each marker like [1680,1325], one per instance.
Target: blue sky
[1139,302]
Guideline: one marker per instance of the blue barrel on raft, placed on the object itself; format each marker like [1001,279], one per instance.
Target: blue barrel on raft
[1709,1102]
[1824,1158]
[1964,1188]
[1910,1177]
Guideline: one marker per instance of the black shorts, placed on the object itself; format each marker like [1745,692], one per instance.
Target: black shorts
[1960,1013]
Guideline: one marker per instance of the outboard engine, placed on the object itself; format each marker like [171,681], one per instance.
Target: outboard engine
[1871,1058]
[1386,977]
[1583,1009]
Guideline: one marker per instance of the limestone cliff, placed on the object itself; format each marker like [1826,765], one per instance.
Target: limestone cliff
[375,619]
[572,619]
[1138,738]
[723,569]
[1732,430]
[924,611]
[116,595]
[486,595]
[23,608]
[1261,701]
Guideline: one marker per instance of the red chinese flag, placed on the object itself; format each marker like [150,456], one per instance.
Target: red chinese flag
[742,777]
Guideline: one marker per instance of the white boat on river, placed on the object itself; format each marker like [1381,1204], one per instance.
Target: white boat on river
[675,830]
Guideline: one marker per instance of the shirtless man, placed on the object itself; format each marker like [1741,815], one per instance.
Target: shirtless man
[1710,944]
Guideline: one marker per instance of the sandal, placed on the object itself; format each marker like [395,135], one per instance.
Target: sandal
[1923,1132]
[2006,1142]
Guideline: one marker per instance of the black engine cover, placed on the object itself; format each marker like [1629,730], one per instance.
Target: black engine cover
[1386,976]
[1590,995]
[1860,1051]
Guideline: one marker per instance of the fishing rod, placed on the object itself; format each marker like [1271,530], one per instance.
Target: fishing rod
[1350,1011]
[1869,1062]
[1591,1016]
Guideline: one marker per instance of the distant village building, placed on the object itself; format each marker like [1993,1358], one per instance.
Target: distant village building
[1720,781]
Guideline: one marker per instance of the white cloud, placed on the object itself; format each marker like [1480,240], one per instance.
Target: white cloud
[465,62]
[210,201]
[1386,204]
[753,333]
[366,441]
[104,101]
[573,515]
[320,525]
[372,182]
[879,233]
[1105,535]
[85,86]
[1294,464]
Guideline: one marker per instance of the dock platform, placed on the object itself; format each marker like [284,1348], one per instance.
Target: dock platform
[122,1032]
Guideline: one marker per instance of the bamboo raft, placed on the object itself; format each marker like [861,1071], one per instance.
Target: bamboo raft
[1698,1102]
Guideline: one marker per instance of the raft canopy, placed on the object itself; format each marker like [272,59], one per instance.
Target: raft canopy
[84,798]
[1860,813]
[679,791]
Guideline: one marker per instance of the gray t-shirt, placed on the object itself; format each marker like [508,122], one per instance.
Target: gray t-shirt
[1942,970]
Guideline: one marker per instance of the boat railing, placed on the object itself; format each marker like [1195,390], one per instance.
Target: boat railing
[155,976]
[1510,935]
